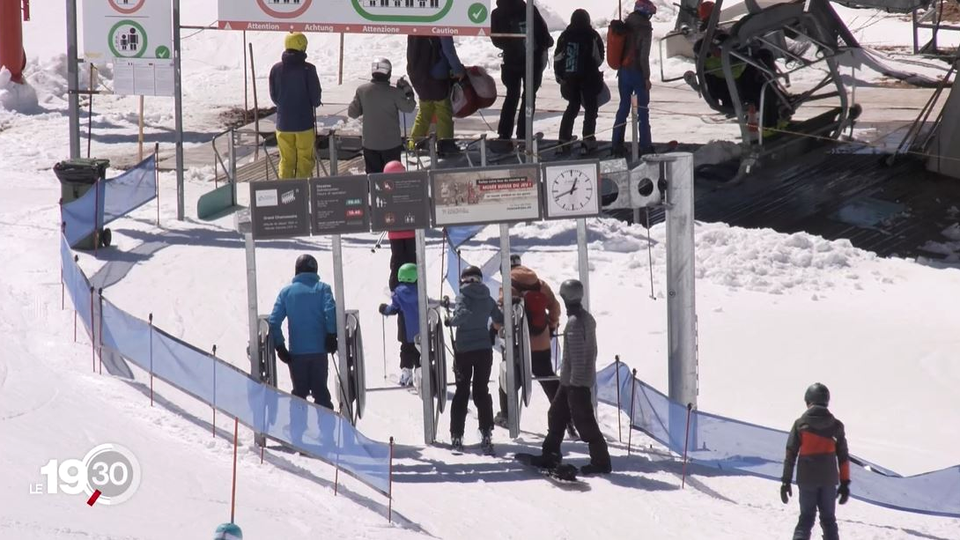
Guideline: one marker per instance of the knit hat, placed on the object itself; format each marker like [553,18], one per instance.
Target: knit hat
[228,531]
[645,7]
[295,41]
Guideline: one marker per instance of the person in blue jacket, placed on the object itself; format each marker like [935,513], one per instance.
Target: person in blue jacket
[473,355]
[311,312]
[295,90]
[405,301]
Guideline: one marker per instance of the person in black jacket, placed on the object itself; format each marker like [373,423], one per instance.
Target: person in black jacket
[818,446]
[295,90]
[432,65]
[576,64]
[509,17]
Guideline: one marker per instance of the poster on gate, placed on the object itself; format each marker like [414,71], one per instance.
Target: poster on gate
[136,36]
[487,195]
[425,17]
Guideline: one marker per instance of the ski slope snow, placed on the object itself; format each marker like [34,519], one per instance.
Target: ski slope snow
[776,312]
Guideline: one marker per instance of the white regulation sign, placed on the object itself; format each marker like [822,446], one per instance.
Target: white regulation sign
[426,17]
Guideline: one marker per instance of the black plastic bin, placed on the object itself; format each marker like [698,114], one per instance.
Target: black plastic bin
[76,177]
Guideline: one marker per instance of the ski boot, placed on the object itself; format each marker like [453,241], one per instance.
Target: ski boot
[456,443]
[547,460]
[486,442]
[500,419]
[591,469]
[406,377]
[572,432]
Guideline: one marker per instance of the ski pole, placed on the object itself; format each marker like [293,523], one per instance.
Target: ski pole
[383,338]
[379,243]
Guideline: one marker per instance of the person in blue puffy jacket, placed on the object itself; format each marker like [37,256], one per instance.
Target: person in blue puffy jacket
[311,312]
[405,301]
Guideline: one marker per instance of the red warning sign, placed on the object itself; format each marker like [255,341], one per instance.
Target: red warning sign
[285,9]
[126,7]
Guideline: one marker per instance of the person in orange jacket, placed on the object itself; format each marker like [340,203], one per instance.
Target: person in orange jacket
[818,446]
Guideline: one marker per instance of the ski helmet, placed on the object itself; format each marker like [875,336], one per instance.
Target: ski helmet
[295,41]
[817,394]
[471,274]
[645,7]
[705,9]
[306,264]
[394,167]
[381,66]
[228,531]
[407,273]
[514,260]
[571,291]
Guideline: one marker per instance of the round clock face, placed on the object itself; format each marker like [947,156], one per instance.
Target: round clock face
[572,190]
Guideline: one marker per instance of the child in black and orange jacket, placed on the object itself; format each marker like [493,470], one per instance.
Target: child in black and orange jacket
[818,445]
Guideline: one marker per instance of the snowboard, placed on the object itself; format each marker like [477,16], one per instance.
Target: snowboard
[565,475]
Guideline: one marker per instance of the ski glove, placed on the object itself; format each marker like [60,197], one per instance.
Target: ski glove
[843,492]
[445,302]
[446,322]
[283,354]
[331,343]
[786,491]
[383,309]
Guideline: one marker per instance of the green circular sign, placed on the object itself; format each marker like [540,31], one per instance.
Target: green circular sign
[477,13]
[163,52]
[127,39]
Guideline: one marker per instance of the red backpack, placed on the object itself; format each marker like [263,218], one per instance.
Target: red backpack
[535,305]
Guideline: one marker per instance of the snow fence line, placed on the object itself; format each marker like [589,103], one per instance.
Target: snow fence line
[297,423]
[729,444]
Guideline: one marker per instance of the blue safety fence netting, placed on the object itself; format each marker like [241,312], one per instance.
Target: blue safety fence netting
[299,424]
[110,199]
[728,444]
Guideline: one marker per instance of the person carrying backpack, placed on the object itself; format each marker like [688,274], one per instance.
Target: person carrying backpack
[633,78]
[380,105]
[542,312]
[510,17]
[432,64]
[295,90]
[576,64]
[473,356]
[817,445]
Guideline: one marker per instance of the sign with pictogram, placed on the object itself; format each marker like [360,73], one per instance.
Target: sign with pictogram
[417,17]
[137,37]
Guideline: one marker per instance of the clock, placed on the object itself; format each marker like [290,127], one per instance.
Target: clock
[571,190]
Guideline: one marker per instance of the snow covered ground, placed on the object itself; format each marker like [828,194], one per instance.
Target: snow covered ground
[776,312]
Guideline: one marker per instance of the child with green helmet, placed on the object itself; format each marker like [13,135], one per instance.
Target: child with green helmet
[405,302]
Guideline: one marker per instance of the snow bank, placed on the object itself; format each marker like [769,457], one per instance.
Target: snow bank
[16,97]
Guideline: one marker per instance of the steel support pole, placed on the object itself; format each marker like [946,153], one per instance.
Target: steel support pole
[681,289]
[178,107]
[233,166]
[341,327]
[513,406]
[528,86]
[583,261]
[253,315]
[73,79]
[426,376]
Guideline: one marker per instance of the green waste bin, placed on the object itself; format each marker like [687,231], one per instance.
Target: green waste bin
[76,177]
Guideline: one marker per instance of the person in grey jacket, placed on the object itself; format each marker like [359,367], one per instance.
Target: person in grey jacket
[380,105]
[473,355]
[578,375]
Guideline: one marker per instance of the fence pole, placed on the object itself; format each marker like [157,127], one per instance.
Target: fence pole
[256,106]
[336,474]
[90,113]
[93,336]
[156,176]
[214,405]
[246,102]
[390,487]
[140,133]
[619,429]
[233,489]
[151,359]
[100,336]
[383,336]
[686,439]
[633,391]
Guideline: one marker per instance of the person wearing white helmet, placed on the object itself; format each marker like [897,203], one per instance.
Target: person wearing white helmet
[379,103]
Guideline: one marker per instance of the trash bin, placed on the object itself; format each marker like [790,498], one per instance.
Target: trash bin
[76,177]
